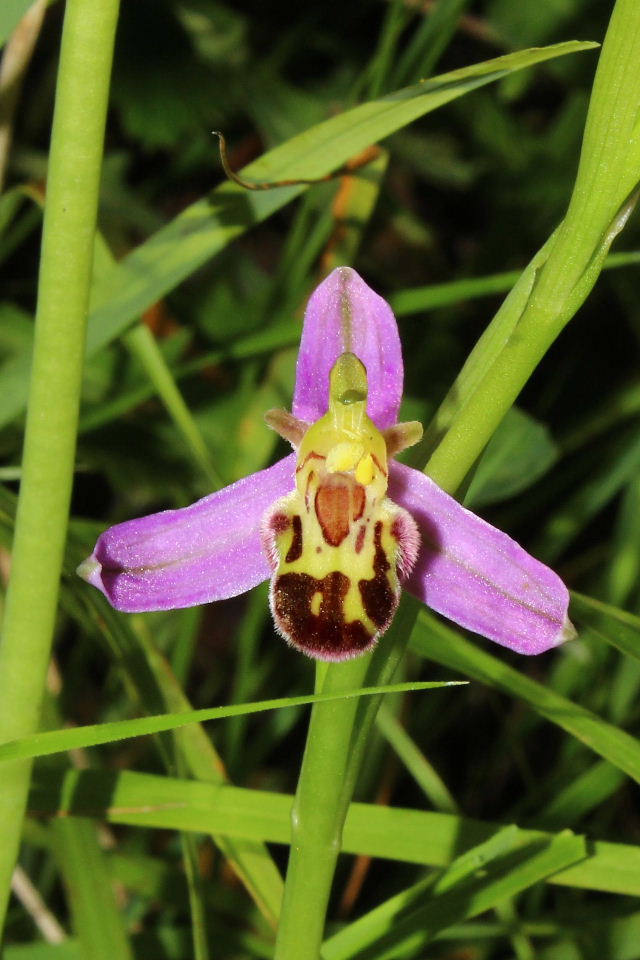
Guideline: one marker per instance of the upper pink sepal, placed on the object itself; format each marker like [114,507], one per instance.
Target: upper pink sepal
[344,315]
[181,558]
[478,576]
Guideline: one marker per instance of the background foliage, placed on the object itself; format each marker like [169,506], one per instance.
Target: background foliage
[190,341]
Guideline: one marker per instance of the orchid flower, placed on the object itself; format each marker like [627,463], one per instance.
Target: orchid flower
[338,526]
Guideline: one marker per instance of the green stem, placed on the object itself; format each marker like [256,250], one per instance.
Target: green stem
[318,814]
[49,447]
[336,742]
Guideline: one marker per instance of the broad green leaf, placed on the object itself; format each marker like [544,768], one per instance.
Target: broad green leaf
[149,674]
[392,833]
[58,741]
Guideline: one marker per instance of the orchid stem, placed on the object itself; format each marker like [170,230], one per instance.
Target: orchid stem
[336,744]
[49,447]
[318,815]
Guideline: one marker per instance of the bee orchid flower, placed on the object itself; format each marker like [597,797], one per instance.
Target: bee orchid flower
[338,526]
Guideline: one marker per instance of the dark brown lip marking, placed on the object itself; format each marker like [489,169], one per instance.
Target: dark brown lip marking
[340,501]
[325,634]
[295,550]
[378,598]
[360,538]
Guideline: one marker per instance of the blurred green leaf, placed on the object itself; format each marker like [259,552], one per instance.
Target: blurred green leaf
[583,503]
[68,950]
[210,225]
[617,627]
[419,299]
[98,922]
[519,453]
[11,12]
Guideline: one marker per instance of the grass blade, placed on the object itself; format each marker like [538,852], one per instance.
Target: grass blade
[392,833]
[58,741]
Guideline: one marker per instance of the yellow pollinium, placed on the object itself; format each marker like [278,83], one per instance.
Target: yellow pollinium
[345,438]
[365,470]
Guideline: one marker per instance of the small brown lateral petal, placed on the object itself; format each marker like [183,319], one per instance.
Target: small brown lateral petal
[325,634]
[288,426]
[401,436]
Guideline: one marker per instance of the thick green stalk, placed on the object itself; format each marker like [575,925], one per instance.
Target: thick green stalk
[318,814]
[49,447]
[562,273]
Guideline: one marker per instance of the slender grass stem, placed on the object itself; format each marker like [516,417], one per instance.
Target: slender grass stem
[49,448]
